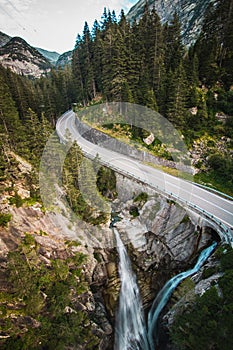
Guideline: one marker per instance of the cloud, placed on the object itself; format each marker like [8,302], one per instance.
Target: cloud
[53,24]
[17,5]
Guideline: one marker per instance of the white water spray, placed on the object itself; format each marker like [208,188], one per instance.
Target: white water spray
[165,293]
[131,331]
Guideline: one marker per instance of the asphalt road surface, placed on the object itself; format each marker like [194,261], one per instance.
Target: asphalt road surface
[187,192]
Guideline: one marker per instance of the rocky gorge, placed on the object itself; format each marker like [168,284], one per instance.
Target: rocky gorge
[161,237]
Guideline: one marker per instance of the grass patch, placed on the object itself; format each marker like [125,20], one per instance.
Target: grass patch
[214,181]
[209,179]
[171,171]
[125,134]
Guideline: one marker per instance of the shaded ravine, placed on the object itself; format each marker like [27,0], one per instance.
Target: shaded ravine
[131,332]
[165,293]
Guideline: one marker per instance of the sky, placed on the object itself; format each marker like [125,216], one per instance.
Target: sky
[53,24]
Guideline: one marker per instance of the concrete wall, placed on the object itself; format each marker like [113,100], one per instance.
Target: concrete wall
[99,138]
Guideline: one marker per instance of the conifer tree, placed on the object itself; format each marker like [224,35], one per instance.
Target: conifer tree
[97,55]
[77,73]
[177,97]
[156,51]
[10,124]
[174,49]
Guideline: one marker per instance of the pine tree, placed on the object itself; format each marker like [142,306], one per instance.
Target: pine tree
[97,51]
[174,49]
[177,97]
[34,144]
[119,89]
[10,124]
[86,61]
[156,51]
[78,74]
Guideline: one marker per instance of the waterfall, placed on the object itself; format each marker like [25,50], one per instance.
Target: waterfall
[165,293]
[131,331]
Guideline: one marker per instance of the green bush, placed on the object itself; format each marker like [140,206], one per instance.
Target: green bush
[208,272]
[41,293]
[4,219]
[217,162]
[207,324]
[16,200]
[142,197]
[134,211]
[227,260]
[185,219]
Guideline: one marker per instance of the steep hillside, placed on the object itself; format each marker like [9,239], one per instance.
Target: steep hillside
[52,56]
[23,59]
[191,14]
[64,59]
[4,38]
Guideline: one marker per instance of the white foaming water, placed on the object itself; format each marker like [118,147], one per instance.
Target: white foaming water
[131,331]
[165,293]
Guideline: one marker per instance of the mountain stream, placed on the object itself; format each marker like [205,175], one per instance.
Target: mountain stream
[131,331]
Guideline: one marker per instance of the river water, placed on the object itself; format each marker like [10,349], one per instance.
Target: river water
[131,331]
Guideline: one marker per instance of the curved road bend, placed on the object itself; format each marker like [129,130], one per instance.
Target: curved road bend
[218,207]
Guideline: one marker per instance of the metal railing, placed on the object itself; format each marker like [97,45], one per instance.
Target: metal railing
[210,189]
[223,229]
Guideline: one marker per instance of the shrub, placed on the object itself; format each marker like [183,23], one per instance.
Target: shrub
[227,260]
[134,211]
[4,219]
[17,200]
[208,272]
[217,162]
[185,219]
[142,197]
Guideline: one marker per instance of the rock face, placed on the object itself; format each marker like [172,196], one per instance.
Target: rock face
[51,56]
[161,241]
[52,243]
[54,58]
[190,12]
[23,59]
[64,59]
[4,38]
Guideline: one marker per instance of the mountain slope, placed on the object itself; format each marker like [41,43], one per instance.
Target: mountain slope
[4,38]
[52,56]
[190,12]
[64,59]
[23,59]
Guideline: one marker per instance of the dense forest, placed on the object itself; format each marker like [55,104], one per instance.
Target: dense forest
[144,63]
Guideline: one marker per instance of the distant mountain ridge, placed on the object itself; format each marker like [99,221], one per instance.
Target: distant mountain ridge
[64,59]
[190,12]
[4,38]
[23,59]
[52,56]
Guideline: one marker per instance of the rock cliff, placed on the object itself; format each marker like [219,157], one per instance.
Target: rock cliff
[191,14]
[23,59]
[160,236]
